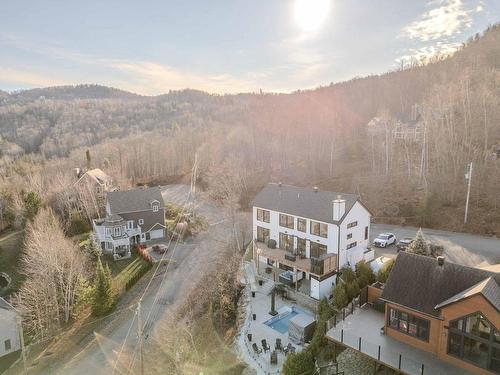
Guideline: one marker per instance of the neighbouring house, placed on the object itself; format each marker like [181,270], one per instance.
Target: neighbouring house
[450,310]
[95,180]
[132,217]
[303,236]
[10,342]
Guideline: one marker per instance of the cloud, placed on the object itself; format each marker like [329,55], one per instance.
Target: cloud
[426,53]
[445,19]
[28,78]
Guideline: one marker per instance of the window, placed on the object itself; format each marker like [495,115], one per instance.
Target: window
[410,324]
[155,208]
[366,233]
[352,225]
[7,345]
[301,246]
[474,339]
[352,244]
[319,229]
[262,234]
[301,225]
[130,224]
[317,250]
[263,215]
[148,236]
[286,242]
[116,231]
[286,221]
[349,236]
[141,221]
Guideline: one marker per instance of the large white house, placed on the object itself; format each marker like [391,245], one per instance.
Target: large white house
[10,341]
[305,235]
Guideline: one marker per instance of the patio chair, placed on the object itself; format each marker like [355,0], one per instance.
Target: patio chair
[256,349]
[278,346]
[288,349]
[274,358]
[265,346]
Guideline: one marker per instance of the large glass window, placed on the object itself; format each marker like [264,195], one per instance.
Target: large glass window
[301,225]
[301,247]
[474,339]
[286,242]
[319,229]
[317,250]
[263,215]
[410,324]
[286,221]
[262,234]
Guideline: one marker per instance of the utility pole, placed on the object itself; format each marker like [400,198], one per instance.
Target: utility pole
[21,338]
[140,333]
[468,178]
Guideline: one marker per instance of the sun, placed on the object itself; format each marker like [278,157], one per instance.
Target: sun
[310,14]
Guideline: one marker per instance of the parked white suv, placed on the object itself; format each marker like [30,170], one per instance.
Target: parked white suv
[384,240]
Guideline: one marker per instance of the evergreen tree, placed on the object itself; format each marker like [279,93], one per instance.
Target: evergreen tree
[419,245]
[89,159]
[340,296]
[364,274]
[383,273]
[92,248]
[32,203]
[104,298]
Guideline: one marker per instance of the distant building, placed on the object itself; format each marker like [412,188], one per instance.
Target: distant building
[132,217]
[10,342]
[306,235]
[450,310]
[96,180]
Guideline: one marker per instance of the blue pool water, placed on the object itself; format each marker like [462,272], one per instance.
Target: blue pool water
[280,322]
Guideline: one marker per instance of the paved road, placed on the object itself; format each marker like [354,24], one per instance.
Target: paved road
[463,248]
[164,295]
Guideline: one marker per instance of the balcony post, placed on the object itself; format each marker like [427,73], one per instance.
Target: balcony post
[296,280]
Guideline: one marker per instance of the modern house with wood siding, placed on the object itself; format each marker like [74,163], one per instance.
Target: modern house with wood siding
[447,309]
[132,217]
[305,235]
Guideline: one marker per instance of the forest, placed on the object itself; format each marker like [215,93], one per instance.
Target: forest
[319,137]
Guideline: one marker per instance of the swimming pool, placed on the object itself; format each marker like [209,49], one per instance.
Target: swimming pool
[281,321]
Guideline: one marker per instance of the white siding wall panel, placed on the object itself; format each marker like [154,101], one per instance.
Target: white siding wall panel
[8,331]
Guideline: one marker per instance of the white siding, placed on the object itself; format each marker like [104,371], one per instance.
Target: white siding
[354,255]
[320,289]
[8,331]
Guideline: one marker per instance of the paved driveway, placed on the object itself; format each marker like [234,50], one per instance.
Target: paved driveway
[463,248]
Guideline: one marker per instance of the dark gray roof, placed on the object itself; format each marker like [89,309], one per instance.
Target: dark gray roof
[488,288]
[113,219]
[420,283]
[304,202]
[134,200]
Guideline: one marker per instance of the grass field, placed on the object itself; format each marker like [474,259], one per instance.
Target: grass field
[10,255]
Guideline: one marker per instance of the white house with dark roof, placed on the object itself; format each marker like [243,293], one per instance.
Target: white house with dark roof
[307,235]
[9,330]
[132,217]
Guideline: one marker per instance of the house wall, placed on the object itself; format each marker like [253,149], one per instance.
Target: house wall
[373,293]
[434,330]
[157,233]
[354,255]
[459,310]
[8,331]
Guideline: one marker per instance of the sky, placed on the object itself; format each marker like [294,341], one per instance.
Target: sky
[152,46]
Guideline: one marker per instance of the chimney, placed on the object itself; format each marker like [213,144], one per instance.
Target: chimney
[77,172]
[338,208]
[279,184]
[315,189]
[440,260]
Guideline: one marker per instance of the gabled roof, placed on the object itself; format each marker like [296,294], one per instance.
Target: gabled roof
[420,283]
[5,305]
[304,202]
[97,175]
[488,288]
[139,199]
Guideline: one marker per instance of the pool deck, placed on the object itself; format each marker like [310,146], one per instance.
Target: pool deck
[261,305]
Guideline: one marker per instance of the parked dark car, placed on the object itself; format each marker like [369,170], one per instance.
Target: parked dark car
[404,243]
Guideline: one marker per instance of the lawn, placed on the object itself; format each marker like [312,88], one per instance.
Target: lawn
[10,255]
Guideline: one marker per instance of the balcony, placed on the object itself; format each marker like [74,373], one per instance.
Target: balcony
[316,266]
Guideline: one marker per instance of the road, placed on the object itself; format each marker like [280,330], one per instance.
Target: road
[463,248]
[118,342]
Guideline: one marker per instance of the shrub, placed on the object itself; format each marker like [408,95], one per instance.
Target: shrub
[352,290]
[340,296]
[301,363]
[364,274]
[348,274]
[78,225]
[383,273]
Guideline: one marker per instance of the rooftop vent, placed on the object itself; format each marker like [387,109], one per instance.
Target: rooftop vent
[280,184]
[440,260]
[315,189]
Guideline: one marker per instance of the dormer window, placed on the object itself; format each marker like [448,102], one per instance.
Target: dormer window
[155,208]
[141,221]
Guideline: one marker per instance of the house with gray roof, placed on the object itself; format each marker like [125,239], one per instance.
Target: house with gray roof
[132,217]
[448,309]
[303,235]
[10,342]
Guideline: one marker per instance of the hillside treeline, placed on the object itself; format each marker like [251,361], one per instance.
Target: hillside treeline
[315,137]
